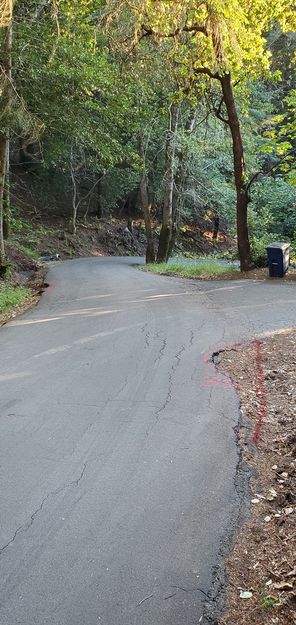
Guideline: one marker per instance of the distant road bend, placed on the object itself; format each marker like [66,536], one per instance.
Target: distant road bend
[118,453]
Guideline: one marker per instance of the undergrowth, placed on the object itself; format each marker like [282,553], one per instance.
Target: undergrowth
[191,269]
[12,296]
[28,251]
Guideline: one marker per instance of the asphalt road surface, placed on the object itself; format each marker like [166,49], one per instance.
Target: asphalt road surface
[118,449]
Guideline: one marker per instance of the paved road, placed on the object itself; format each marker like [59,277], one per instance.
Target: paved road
[118,455]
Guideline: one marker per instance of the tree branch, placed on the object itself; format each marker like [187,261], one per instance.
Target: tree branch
[271,169]
[55,15]
[207,72]
[195,28]
[219,114]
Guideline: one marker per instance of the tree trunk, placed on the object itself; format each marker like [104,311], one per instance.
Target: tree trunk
[3,154]
[239,175]
[73,227]
[167,209]
[179,182]
[216,226]
[150,251]
[7,67]
[99,195]
[6,196]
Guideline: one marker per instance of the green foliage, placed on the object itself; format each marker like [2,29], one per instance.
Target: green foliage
[258,249]
[204,267]
[28,251]
[71,84]
[11,296]
[272,216]
[90,100]
[117,184]
[268,602]
[209,187]
[274,203]
[219,36]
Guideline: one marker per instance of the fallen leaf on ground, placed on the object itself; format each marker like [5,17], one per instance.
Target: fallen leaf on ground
[283,586]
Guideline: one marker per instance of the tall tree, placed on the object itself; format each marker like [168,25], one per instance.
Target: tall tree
[145,205]
[168,185]
[214,40]
[180,175]
[6,79]
[7,67]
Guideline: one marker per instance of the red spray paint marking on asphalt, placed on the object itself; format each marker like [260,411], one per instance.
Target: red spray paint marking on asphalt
[218,379]
[228,383]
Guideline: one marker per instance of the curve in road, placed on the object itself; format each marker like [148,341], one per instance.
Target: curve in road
[118,449]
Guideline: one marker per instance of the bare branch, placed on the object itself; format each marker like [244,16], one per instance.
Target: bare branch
[207,72]
[218,112]
[149,32]
[55,14]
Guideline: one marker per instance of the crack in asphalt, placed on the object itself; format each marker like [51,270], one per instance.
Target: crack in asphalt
[123,386]
[191,590]
[178,357]
[174,367]
[147,340]
[161,351]
[26,526]
[168,398]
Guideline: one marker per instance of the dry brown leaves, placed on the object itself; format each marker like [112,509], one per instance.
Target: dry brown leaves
[261,567]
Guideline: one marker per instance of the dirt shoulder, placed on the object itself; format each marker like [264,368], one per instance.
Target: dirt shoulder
[26,278]
[261,572]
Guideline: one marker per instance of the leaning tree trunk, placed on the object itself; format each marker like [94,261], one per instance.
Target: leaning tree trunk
[167,209]
[6,196]
[179,181]
[7,68]
[3,154]
[239,175]
[150,251]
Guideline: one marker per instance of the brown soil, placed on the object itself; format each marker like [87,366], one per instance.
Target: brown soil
[24,272]
[260,273]
[262,562]
[19,261]
[107,237]
[94,238]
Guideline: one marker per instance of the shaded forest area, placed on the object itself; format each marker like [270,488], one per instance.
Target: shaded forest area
[176,115]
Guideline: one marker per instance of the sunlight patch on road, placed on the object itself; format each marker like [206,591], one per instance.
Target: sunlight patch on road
[280,303]
[5,377]
[83,341]
[86,312]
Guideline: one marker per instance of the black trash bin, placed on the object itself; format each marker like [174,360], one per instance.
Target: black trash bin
[278,259]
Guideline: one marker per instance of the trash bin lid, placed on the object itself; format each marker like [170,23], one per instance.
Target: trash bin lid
[278,244]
